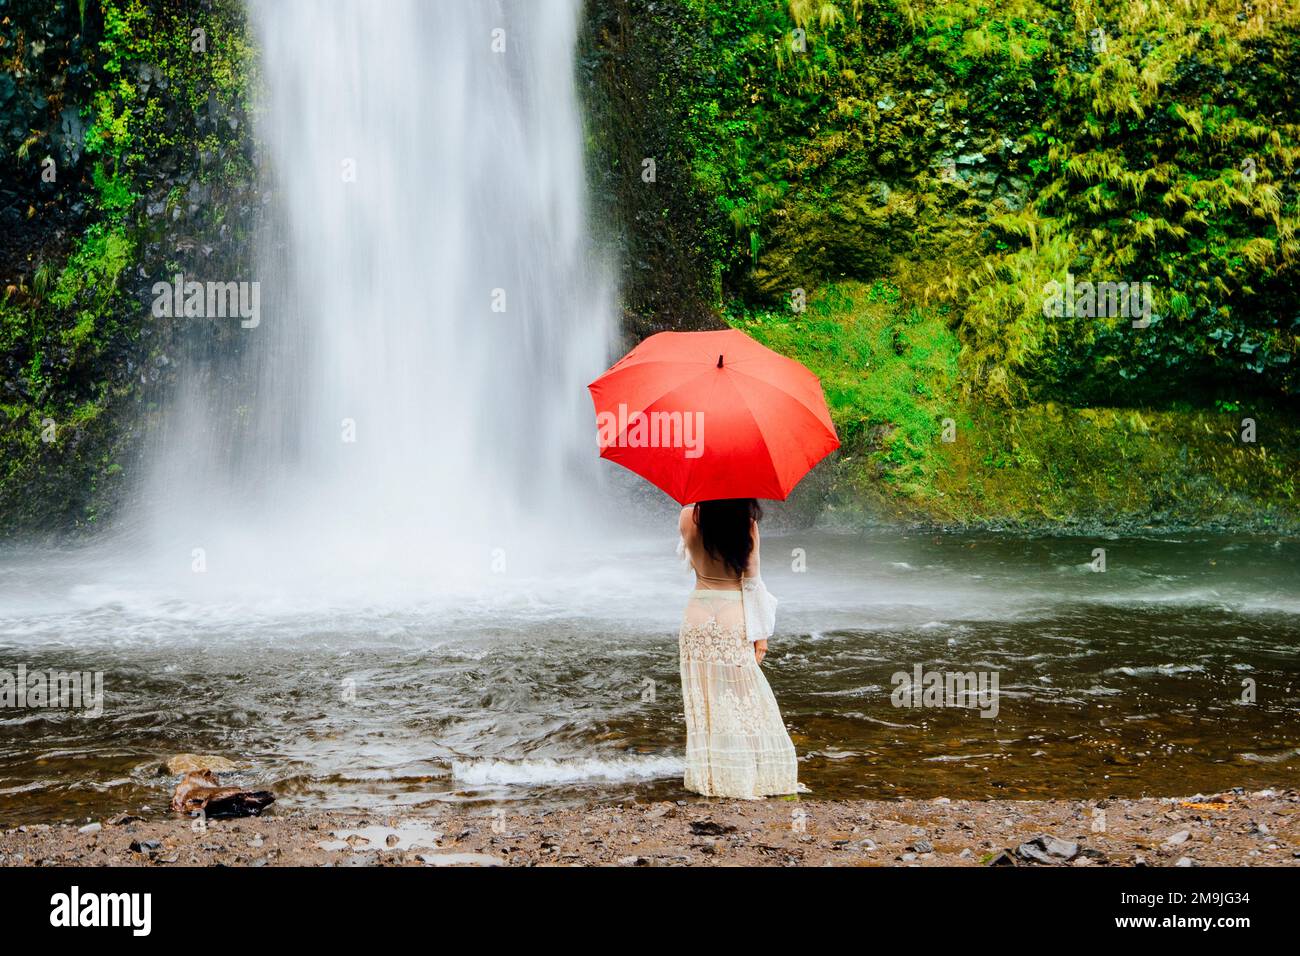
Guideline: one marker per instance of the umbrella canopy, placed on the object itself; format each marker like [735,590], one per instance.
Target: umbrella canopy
[707,415]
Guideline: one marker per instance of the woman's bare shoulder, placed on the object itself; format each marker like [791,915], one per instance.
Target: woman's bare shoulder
[686,521]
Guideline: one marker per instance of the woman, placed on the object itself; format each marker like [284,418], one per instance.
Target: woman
[736,743]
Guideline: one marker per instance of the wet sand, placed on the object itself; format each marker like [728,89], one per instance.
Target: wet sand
[1227,829]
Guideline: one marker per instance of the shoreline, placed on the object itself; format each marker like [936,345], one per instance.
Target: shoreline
[1227,829]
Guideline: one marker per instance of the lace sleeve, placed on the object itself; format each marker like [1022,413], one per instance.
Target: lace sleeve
[760,609]
[682,554]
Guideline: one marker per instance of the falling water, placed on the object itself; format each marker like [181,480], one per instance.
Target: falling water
[431,309]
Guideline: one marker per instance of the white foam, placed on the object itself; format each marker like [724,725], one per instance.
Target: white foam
[550,771]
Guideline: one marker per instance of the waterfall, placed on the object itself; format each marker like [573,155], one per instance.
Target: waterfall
[412,401]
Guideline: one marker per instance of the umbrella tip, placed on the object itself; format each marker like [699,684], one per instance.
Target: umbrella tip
[719,361]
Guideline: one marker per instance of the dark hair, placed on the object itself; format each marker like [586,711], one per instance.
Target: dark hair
[725,529]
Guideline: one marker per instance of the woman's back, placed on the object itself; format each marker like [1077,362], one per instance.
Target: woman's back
[736,743]
[713,572]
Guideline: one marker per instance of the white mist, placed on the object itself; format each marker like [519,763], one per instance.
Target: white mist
[402,432]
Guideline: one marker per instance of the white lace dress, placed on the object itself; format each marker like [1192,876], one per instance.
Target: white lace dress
[736,742]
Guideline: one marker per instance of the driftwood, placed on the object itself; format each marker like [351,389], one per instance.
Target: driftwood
[201,790]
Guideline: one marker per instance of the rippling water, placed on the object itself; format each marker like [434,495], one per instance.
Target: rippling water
[558,682]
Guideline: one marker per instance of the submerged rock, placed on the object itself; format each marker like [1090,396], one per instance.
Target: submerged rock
[189,763]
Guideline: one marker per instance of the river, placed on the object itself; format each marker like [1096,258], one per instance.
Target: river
[554,681]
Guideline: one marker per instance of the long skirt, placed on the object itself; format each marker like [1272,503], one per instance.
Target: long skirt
[736,742]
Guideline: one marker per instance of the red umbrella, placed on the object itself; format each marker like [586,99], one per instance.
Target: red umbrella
[707,415]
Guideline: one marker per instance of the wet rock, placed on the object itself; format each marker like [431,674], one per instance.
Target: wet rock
[1047,849]
[189,763]
[149,847]
[709,828]
[122,819]
[201,791]
[71,136]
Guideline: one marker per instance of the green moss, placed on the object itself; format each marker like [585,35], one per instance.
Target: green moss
[1049,464]
[887,367]
[1141,143]
[914,447]
[94,268]
[71,338]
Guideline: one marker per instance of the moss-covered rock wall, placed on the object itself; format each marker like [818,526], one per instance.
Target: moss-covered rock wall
[902,192]
[126,159]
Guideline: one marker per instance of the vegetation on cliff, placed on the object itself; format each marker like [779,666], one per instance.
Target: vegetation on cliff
[976,160]
[126,159]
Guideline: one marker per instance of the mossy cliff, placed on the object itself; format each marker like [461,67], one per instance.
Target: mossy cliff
[124,159]
[895,192]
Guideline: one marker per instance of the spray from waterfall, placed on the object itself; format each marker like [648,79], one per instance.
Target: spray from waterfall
[410,408]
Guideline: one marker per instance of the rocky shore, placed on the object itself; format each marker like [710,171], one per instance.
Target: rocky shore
[1227,829]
